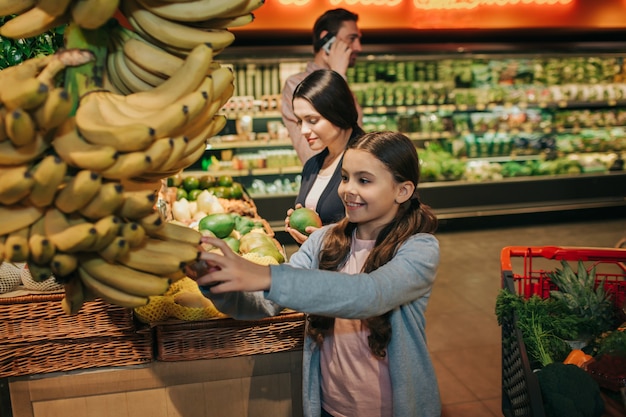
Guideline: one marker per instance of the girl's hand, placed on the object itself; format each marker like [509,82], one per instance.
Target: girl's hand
[230,272]
[338,59]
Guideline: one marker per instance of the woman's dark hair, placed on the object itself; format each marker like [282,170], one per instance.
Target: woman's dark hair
[330,21]
[399,155]
[329,94]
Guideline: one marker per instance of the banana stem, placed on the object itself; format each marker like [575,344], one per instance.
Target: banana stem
[88,77]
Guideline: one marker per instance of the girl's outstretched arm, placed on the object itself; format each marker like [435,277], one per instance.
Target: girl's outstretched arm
[230,272]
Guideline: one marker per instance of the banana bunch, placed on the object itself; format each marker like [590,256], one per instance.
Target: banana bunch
[115,243]
[35,17]
[32,105]
[149,134]
[178,27]
[136,110]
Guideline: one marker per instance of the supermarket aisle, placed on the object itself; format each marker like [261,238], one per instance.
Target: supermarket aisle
[463,334]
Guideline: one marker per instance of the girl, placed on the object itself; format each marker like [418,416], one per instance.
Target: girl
[364,283]
[328,119]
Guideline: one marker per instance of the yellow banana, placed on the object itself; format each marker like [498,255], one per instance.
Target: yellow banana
[109,198]
[27,69]
[225,22]
[15,184]
[112,81]
[123,278]
[11,155]
[91,14]
[16,246]
[110,294]
[128,165]
[169,121]
[183,251]
[130,80]
[9,7]
[133,232]
[175,34]
[152,222]
[152,79]
[191,157]
[16,217]
[196,10]
[78,191]
[114,250]
[175,232]
[63,264]
[54,110]
[73,296]
[48,175]
[137,204]
[31,23]
[107,229]
[66,237]
[41,249]
[179,143]
[77,152]
[20,127]
[152,58]
[96,130]
[3,115]
[185,80]
[2,248]
[157,263]
[27,94]
[159,152]
[53,7]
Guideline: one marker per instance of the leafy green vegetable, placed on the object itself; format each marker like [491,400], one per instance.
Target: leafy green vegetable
[15,51]
[545,324]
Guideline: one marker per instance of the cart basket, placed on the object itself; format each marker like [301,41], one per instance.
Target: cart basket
[525,270]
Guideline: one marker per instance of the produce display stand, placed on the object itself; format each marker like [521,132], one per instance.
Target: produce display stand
[525,271]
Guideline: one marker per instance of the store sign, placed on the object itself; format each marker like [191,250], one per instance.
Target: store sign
[445,14]
[345,3]
[471,4]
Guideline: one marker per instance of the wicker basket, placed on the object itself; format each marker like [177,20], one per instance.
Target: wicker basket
[226,337]
[63,355]
[36,336]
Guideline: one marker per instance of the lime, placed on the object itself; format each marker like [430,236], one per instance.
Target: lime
[193,194]
[181,193]
[236,191]
[206,181]
[174,181]
[191,183]
[221,224]
[225,180]
[221,192]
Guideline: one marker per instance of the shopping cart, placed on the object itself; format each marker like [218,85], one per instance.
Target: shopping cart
[525,271]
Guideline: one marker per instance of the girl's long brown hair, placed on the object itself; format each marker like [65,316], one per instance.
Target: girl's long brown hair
[399,155]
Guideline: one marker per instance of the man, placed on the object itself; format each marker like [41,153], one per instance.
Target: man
[342,54]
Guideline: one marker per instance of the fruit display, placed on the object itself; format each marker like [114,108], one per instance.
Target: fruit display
[88,133]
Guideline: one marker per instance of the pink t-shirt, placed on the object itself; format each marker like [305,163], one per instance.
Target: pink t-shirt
[354,381]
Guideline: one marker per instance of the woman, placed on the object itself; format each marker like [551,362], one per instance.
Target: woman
[328,118]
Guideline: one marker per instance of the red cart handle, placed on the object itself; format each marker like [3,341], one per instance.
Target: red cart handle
[570,253]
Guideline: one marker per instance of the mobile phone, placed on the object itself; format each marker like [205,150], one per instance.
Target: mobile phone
[327,41]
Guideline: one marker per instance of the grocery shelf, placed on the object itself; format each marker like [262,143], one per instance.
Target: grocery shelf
[246,144]
[510,198]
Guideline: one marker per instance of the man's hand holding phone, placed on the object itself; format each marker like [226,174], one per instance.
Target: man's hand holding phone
[337,53]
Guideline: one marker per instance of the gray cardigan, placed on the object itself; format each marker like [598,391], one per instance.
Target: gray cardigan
[403,285]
